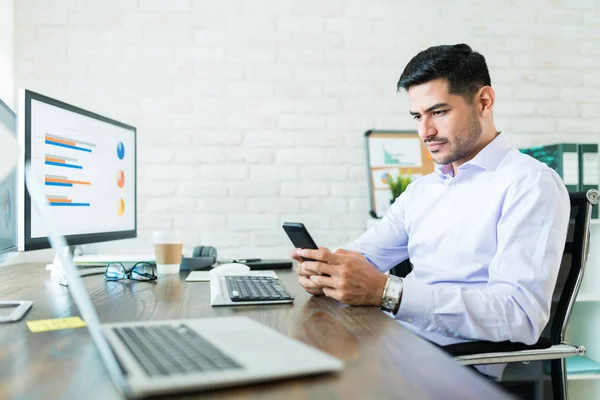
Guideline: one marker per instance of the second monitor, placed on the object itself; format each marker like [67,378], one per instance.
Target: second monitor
[8,188]
[87,164]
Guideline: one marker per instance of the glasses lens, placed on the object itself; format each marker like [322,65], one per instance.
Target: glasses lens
[143,272]
[115,272]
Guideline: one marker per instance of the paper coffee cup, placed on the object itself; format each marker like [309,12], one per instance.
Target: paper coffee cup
[168,248]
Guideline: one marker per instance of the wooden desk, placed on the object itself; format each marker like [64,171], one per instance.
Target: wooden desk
[382,359]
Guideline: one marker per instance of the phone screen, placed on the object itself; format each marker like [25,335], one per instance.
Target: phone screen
[299,235]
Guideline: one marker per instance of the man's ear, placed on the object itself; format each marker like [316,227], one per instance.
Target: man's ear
[485,100]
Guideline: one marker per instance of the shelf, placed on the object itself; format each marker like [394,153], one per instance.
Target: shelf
[587,297]
[579,368]
[595,221]
[582,377]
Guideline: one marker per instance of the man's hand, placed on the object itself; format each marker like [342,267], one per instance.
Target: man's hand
[304,275]
[351,278]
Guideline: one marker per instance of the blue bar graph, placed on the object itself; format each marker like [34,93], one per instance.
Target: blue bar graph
[64,165]
[58,184]
[70,204]
[67,146]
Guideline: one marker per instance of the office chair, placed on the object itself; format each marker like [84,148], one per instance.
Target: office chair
[551,348]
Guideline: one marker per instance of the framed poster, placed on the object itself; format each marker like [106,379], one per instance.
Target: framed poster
[390,153]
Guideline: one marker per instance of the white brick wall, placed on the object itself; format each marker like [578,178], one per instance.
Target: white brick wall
[250,113]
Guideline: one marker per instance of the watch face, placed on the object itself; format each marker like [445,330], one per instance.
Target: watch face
[391,294]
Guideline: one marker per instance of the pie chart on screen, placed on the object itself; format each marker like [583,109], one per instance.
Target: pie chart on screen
[121,210]
[120,150]
[121,178]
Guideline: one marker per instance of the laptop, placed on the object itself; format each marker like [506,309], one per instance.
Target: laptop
[165,357]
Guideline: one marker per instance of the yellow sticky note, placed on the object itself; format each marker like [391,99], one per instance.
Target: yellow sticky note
[43,325]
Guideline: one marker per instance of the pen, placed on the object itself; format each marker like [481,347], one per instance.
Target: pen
[245,260]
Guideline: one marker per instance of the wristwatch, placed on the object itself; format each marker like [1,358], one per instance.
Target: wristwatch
[392,292]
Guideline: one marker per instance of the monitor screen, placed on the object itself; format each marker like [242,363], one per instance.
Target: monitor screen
[87,165]
[8,190]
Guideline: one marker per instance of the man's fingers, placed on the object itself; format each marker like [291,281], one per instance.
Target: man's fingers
[295,256]
[322,254]
[324,268]
[329,292]
[307,283]
[310,286]
[323,281]
[307,268]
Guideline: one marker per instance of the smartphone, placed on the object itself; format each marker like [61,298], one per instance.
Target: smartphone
[299,236]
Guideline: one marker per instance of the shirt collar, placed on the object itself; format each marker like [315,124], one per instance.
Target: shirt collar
[488,158]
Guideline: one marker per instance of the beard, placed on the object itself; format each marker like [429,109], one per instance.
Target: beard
[464,143]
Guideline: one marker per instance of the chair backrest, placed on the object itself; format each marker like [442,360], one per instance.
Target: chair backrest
[574,259]
[402,269]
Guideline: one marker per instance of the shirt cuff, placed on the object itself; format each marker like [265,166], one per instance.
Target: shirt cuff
[416,305]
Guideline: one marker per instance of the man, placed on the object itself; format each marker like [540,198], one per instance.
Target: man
[485,232]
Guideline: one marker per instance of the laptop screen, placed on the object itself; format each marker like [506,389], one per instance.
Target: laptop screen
[8,180]
[73,279]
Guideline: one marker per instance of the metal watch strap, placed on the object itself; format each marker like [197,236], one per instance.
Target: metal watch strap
[392,292]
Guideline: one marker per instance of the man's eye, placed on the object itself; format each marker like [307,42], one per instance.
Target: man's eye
[416,117]
[439,112]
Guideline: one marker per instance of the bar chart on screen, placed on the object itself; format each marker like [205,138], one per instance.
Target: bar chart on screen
[62,161]
[59,157]
[68,143]
[64,201]
[59,180]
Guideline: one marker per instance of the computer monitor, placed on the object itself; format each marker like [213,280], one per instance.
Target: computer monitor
[8,191]
[87,165]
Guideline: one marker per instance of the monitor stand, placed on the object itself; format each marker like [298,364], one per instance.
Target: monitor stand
[56,269]
[19,307]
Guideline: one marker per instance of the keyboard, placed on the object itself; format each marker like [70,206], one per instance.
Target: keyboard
[255,288]
[163,350]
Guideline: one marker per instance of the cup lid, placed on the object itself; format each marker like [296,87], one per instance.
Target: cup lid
[166,237]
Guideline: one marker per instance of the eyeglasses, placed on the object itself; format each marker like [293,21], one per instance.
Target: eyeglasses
[141,271]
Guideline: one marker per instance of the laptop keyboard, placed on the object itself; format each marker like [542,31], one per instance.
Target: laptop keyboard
[255,288]
[173,350]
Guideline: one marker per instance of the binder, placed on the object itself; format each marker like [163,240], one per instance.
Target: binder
[564,158]
[589,169]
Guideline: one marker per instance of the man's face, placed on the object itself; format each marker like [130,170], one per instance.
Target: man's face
[448,125]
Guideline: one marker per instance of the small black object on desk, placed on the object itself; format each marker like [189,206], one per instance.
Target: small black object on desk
[264,263]
[196,263]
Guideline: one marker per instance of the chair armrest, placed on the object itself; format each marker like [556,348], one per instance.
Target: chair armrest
[478,347]
[557,351]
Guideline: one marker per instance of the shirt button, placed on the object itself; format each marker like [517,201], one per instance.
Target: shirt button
[410,320]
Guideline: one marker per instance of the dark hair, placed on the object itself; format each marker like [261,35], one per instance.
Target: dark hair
[465,70]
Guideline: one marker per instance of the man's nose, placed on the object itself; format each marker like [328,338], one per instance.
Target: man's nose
[427,129]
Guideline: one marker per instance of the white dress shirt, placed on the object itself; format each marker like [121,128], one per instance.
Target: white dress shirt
[486,244]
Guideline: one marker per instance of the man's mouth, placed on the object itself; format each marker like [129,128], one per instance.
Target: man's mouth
[435,146]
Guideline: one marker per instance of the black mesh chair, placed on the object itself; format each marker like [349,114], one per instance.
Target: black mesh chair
[549,347]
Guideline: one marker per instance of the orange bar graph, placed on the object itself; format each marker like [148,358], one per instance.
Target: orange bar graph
[57,180]
[56,160]
[51,139]
[59,200]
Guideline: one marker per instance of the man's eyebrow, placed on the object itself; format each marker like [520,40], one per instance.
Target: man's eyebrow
[432,108]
